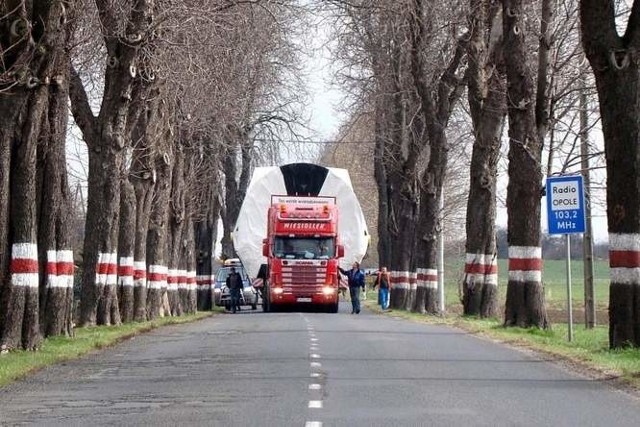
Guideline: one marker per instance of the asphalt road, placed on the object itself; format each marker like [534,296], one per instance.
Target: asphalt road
[312,369]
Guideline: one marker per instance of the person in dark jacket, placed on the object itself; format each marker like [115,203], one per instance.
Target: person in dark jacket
[234,283]
[355,277]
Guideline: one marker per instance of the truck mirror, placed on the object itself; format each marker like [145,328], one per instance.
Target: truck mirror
[340,250]
[265,247]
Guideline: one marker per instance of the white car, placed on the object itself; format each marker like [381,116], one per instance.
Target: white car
[248,296]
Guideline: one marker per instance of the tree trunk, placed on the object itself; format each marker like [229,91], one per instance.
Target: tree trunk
[99,303]
[487,102]
[403,225]
[206,233]
[525,295]
[231,205]
[190,297]
[178,283]
[144,190]
[106,136]
[437,98]
[142,176]
[21,325]
[126,244]
[54,238]
[614,61]
[384,240]
[429,227]
[402,190]
[157,256]
[24,104]
[235,188]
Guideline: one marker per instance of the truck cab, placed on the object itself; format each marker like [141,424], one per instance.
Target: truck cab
[302,249]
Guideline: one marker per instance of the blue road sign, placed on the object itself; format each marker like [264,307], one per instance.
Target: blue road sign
[565,204]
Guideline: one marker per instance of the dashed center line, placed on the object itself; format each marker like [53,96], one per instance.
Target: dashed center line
[315,366]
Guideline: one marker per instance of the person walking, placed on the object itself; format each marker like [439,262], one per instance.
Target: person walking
[234,283]
[383,282]
[355,277]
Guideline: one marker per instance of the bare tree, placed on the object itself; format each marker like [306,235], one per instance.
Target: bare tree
[32,91]
[157,235]
[143,177]
[613,59]
[412,86]
[487,104]
[439,88]
[125,27]
[528,121]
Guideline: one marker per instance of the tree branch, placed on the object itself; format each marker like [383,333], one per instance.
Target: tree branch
[80,107]
[599,34]
[632,33]
[543,107]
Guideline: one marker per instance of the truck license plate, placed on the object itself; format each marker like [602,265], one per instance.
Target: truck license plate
[303,300]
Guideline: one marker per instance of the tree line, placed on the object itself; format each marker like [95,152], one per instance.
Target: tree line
[420,73]
[169,98]
[175,100]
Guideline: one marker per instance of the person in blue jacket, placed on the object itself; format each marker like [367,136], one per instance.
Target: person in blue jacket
[355,276]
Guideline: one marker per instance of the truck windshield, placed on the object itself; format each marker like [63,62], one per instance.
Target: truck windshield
[304,247]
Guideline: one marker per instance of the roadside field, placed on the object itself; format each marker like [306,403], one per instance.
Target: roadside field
[554,276]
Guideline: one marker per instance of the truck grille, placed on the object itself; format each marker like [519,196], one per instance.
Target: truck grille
[303,278]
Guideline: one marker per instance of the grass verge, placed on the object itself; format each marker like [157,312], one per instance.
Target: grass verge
[588,352]
[18,364]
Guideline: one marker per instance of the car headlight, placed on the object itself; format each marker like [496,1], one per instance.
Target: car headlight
[217,290]
[328,290]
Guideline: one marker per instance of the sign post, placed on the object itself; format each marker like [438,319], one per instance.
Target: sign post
[565,215]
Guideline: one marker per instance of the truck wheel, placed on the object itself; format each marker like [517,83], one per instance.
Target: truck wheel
[333,308]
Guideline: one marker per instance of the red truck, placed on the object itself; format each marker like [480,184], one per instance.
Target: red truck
[296,224]
[302,248]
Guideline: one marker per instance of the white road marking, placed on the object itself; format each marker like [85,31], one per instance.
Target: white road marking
[316,364]
[315,356]
[315,404]
[315,374]
[313,424]
[314,339]
[315,386]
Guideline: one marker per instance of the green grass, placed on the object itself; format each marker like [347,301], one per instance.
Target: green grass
[589,349]
[17,364]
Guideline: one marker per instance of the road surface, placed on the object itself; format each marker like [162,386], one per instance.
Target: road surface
[312,369]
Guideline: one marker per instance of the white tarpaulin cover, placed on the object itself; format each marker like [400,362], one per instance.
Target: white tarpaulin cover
[251,226]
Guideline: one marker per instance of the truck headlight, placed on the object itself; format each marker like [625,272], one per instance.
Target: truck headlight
[328,290]
[278,291]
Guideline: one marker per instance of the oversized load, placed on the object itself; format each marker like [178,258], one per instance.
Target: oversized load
[304,206]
